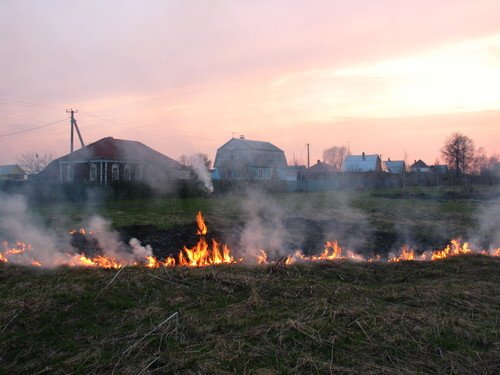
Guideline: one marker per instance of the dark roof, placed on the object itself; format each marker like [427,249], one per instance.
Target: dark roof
[419,164]
[321,167]
[111,149]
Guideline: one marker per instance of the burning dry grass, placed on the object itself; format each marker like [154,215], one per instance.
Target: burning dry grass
[313,317]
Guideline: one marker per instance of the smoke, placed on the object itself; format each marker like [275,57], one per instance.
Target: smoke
[263,229]
[51,248]
[203,174]
[17,223]
[487,232]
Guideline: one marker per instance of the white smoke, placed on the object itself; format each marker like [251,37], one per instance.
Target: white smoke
[263,228]
[203,174]
[19,223]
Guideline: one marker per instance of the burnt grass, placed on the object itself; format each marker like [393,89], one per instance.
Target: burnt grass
[332,317]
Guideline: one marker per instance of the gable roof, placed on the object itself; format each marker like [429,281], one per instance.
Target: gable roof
[361,163]
[321,167]
[11,169]
[419,164]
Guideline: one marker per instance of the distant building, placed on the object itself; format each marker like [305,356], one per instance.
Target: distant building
[420,167]
[12,172]
[395,166]
[362,163]
[439,169]
[321,171]
[243,159]
[112,160]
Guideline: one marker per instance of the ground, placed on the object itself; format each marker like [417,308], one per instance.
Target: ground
[337,317]
[331,317]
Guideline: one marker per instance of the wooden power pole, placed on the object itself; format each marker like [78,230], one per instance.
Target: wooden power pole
[74,126]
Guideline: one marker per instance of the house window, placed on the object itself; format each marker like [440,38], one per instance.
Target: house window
[115,172]
[93,171]
[260,173]
[71,172]
[127,172]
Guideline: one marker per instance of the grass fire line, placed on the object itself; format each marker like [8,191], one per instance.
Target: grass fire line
[211,253]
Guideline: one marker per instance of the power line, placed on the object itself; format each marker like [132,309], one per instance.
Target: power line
[28,104]
[35,128]
[143,126]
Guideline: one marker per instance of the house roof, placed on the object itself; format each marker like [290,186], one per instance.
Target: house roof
[395,166]
[242,152]
[111,149]
[321,167]
[11,169]
[360,163]
[419,164]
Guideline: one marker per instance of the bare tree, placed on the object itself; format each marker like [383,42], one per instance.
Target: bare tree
[195,160]
[459,152]
[34,162]
[335,156]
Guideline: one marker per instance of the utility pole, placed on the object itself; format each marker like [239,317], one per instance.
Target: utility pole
[308,160]
[74,126]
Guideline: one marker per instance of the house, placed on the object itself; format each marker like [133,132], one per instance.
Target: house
[12,172]
[112,160]
[321,171]
[420,167]
[439,169]
[244,159]
[395,166]
[362,163]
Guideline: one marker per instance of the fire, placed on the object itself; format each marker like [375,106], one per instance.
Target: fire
[210,252]
[406,254]
[456,248]
[202,228]
[262,257]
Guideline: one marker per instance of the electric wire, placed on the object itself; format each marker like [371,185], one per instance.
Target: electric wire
[34,128]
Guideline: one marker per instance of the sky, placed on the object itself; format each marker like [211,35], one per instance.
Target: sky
[391,77]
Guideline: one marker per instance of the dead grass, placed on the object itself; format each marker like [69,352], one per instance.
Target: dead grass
[439,317]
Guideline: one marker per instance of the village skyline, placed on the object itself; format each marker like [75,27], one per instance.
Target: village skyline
[391,78]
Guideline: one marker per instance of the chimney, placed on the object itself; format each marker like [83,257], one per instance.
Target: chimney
[242,136]
[388,159]
[319,161]
[363,156]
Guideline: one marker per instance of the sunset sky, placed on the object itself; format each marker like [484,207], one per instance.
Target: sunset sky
[391,77]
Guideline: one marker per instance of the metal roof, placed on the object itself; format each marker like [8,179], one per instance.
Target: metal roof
[360,163]
[395,166]
[238,152]
[11,169]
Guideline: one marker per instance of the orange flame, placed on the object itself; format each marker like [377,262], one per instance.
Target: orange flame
[202,228]
[406,254]
[456,248]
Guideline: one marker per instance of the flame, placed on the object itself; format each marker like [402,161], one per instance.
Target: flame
[456,248]
[261,257]
[406,254]
[206,253]
[202,228]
